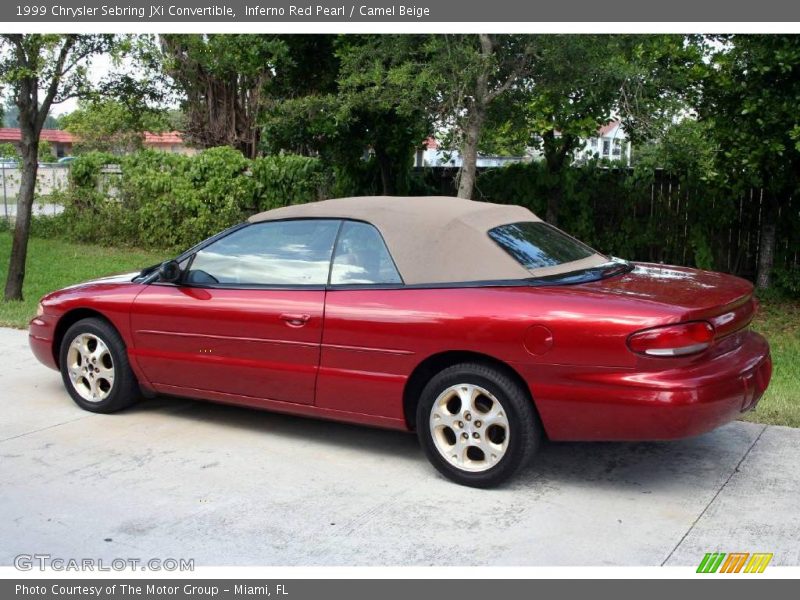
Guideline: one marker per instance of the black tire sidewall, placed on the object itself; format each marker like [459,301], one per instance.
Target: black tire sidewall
[523,424]
[123,387]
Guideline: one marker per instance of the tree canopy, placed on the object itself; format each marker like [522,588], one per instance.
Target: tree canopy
[41,70]
[749,101]
[710,109]
[108,125]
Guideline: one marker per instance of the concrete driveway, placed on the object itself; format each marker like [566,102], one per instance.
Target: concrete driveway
[230,486]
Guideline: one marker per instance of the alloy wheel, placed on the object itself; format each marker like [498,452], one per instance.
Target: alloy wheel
[469,427]
[90,367]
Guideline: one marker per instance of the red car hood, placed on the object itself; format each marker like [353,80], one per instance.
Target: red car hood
[111,279]
[725,300]
[93,288]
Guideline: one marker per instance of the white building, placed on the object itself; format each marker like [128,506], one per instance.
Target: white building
[431,155]
[610,143]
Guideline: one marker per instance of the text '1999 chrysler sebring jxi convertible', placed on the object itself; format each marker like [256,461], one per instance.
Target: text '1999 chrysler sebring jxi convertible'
[477,325]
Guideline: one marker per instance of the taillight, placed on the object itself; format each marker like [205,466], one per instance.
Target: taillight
[673,340]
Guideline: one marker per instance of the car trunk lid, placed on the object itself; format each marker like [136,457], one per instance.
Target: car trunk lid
[724,300]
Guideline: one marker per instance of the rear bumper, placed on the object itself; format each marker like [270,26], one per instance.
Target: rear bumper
[616,405]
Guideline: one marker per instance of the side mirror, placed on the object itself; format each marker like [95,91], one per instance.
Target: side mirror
[169,271]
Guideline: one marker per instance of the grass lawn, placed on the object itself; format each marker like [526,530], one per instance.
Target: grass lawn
[53,264]
[779,322]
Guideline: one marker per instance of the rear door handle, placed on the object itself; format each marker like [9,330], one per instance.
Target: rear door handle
[293,320]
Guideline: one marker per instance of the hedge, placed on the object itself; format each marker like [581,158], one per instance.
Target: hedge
[158,199]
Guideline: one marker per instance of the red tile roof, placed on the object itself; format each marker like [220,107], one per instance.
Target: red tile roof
[13,134]
[607,128]
[168,137]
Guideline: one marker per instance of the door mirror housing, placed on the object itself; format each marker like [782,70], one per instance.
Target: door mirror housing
[169,271]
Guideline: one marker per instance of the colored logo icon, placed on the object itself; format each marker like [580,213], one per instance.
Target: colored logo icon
[734,562]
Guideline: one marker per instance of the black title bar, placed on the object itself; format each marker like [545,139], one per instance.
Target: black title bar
[333,11]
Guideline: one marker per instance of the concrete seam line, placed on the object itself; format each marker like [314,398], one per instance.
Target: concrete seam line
[14,437]
[719,491]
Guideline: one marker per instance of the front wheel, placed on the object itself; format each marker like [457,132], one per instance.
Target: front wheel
[95,368]
[477,425]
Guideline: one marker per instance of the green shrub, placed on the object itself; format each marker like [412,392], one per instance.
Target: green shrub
[85,169]
[8,151]
[787,280]
[284,179]
[173,201]
[47,226]
[179,200]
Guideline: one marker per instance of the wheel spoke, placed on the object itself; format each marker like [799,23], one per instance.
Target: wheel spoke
[467,394]
[105,373]
[440,417]
[92,388]
[99,351]
[499,420]
[83,345]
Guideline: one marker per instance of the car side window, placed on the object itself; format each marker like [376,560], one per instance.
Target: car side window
[272,253]
[361,257]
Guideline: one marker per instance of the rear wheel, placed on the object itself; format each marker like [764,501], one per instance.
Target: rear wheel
[477,425]
[95,368]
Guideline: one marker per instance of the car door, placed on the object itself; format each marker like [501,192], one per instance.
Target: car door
[245,319]
[364,360]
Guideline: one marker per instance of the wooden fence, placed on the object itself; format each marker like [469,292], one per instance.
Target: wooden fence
[733,231]
[669,216]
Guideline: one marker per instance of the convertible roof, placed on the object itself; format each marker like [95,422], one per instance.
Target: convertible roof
[434,239]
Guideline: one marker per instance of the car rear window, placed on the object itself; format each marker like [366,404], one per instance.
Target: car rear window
[535,244]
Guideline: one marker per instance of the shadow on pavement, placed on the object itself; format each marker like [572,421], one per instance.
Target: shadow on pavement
[638,466]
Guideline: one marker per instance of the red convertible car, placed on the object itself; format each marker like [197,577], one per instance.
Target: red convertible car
[477,325]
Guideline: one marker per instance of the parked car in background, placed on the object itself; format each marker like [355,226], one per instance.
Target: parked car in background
[65,160]
[477,325]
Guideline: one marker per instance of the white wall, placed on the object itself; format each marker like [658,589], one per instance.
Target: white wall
[50,178]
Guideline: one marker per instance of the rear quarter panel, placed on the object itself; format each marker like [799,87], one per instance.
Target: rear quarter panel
[374,339]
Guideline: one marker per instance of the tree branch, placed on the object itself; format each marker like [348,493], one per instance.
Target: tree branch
[55,79]
[516,72]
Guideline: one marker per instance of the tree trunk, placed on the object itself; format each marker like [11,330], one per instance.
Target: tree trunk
[385,167]
[475,120]
[553,204]
[469,152]
[766,246]
[27,188]
[556,151]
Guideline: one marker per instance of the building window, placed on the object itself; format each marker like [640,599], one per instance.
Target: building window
[606,147]
[617,148]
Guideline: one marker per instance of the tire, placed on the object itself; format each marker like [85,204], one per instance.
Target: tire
[95,367]
[483,408]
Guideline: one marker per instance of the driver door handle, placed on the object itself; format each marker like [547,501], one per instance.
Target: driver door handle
[295,320]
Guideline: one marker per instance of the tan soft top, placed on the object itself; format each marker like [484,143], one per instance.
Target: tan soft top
[434,239]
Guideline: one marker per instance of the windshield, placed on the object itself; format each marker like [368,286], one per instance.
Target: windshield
[538,245]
